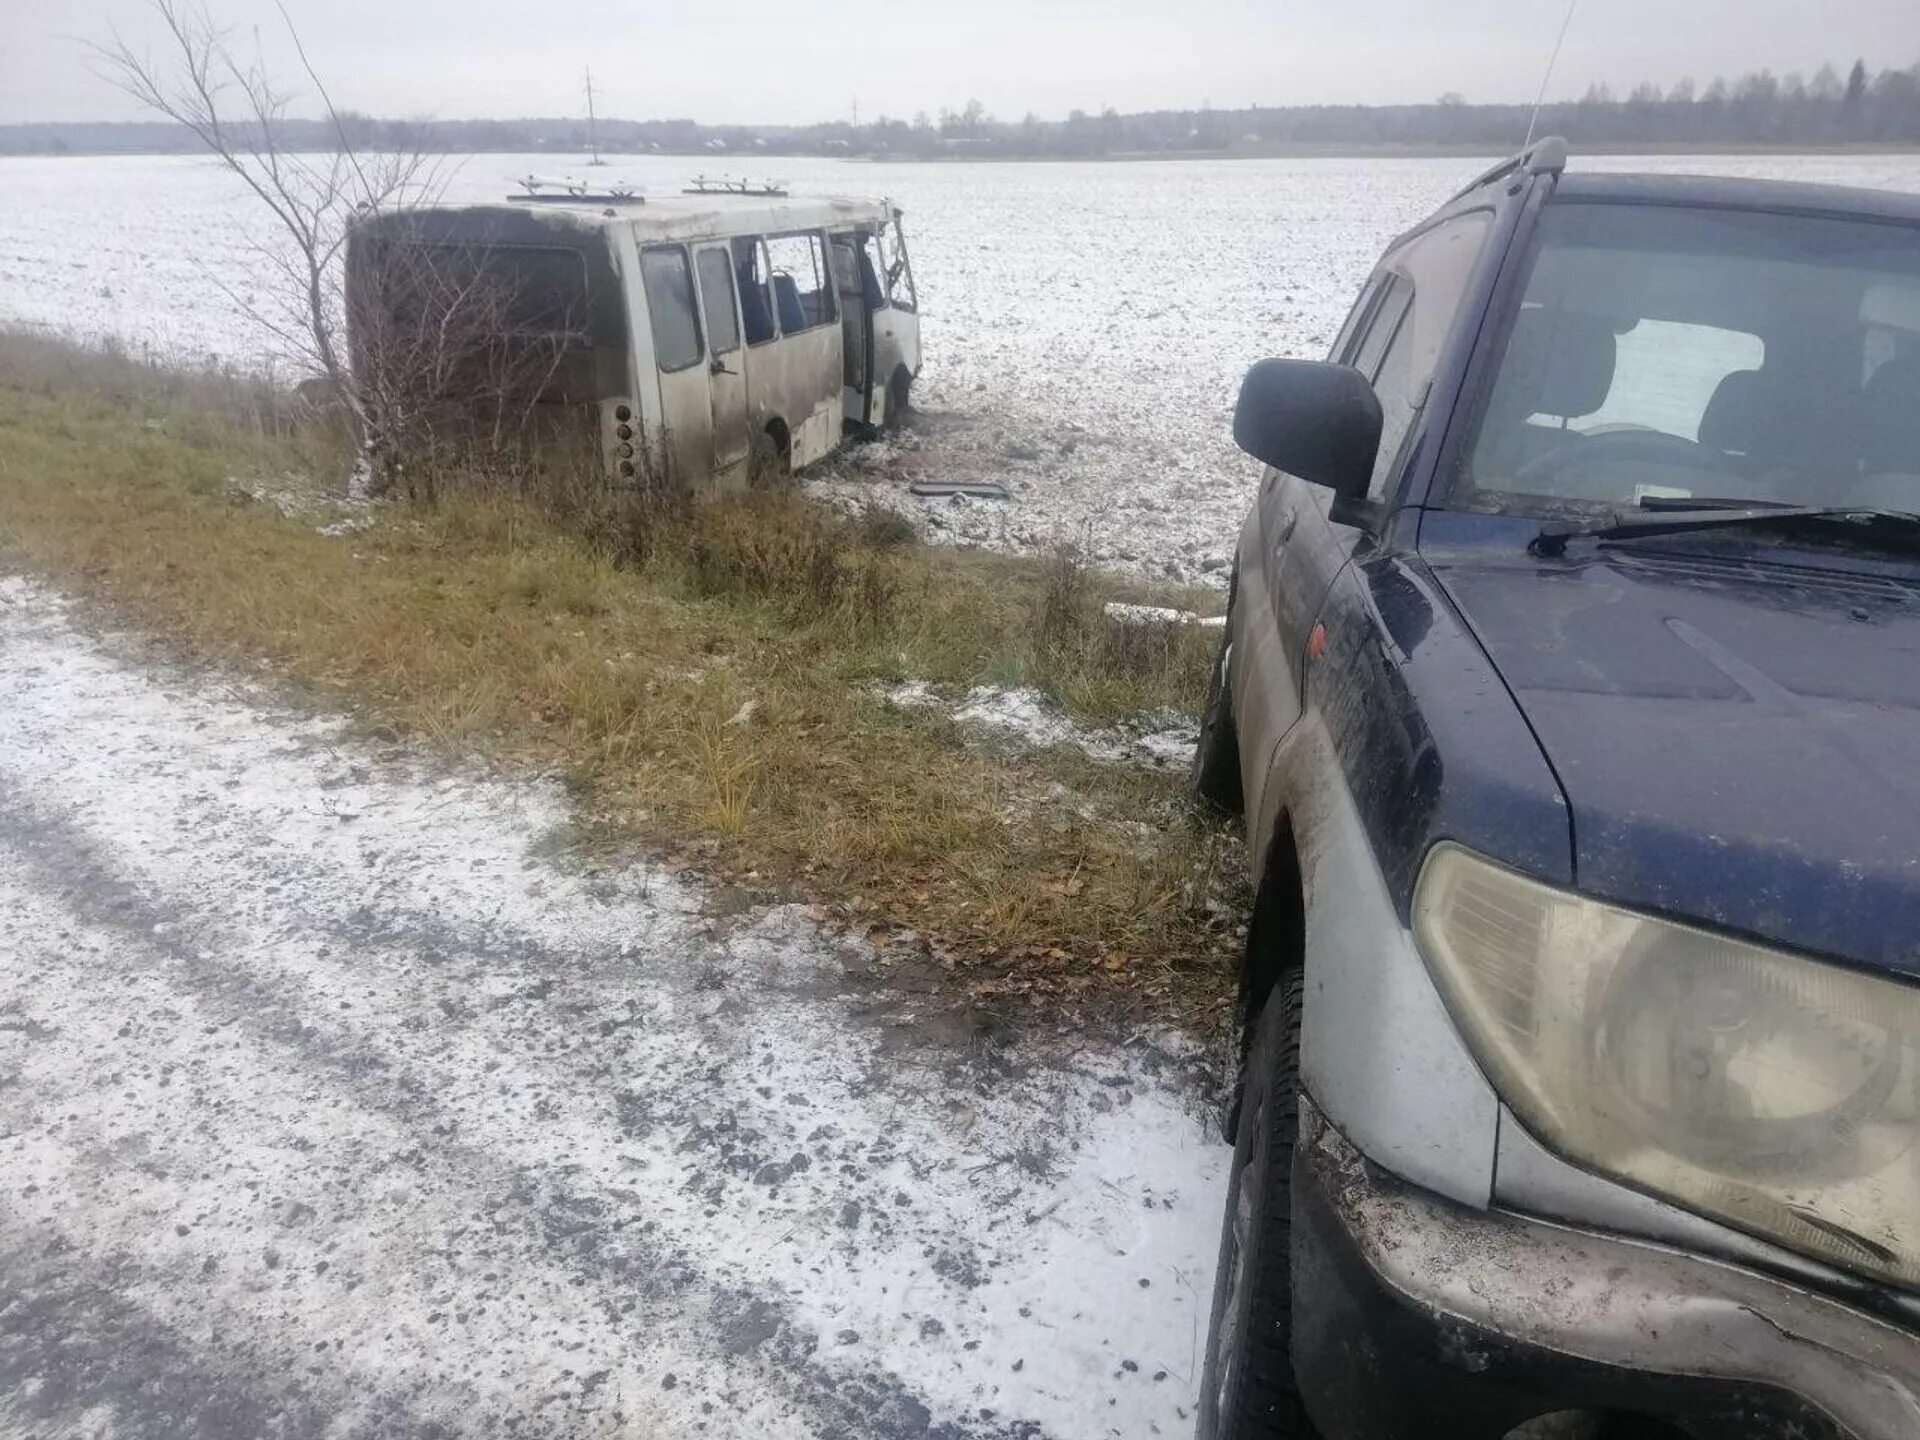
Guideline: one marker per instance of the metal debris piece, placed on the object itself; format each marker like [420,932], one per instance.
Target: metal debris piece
[972,489]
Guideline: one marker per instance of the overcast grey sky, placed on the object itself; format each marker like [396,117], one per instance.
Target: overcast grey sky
[796,60]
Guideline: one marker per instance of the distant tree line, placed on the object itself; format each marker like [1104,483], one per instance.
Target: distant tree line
[1860,107]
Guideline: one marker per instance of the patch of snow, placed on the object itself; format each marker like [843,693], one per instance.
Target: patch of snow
[913,695]
[1170,749]
[1024,716]
[297,498]
[1022,713]
[1143,615]
[289,494]
[338,1100]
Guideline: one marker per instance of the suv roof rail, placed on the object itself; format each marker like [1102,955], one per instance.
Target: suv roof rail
[1546,156]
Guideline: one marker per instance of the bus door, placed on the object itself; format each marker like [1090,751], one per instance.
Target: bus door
[726,367]
[896,322]
[856,326]
[678,355]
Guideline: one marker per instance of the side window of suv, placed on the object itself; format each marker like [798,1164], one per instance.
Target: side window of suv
[1428,280]
[1356,320]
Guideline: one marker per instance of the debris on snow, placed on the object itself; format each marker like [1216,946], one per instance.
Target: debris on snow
[951,489]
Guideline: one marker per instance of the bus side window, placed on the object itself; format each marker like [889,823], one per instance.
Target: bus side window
[716,301]
[802,286]
[669,285]
[756,304]
[846,270]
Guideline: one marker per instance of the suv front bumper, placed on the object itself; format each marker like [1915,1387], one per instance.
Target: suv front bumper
[1415,1316]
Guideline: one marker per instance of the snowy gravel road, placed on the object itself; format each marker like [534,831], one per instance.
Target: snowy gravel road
[335,1100]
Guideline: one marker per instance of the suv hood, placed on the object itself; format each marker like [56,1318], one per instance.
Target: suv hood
[1738,741]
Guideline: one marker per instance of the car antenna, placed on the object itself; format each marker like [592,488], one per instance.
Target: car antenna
[1552,60]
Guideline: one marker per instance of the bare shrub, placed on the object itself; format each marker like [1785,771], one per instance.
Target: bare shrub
[1066,605]
[1100,659]
[238,113]
[885,528]
[782,551]
[420,355]
[876,594]
[451,383]
[1147,650]
[630,526]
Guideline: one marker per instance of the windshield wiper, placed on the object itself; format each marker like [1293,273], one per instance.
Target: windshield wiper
[1662,515]
[1717,502]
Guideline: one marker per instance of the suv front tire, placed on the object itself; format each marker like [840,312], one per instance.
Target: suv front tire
[1247,1390]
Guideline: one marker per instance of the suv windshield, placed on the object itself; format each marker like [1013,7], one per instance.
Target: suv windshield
[1661,351]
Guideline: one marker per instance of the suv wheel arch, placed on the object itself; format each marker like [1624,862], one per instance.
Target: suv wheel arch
[1276,940]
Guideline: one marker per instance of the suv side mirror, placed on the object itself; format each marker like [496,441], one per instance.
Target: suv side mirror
[1313,419]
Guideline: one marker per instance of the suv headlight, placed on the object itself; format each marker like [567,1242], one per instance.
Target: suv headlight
[1771,1091]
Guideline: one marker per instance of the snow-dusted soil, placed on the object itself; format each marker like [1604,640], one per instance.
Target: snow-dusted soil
[1086,325]
[336,1100]
[1025,719]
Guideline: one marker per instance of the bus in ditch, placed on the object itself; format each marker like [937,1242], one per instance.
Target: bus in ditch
[716,336]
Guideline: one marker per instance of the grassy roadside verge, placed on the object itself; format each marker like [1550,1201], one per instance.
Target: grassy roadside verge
[712,693]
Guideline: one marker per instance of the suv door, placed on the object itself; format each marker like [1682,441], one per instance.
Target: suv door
[1266,700]
[1414,301]
[1319,546]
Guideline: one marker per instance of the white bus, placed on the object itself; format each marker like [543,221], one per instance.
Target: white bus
[733,331]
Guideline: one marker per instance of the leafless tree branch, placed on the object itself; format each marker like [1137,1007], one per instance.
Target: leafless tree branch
[425,334]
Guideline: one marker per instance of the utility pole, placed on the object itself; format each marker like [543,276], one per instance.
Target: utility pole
[593,123]
[856,112]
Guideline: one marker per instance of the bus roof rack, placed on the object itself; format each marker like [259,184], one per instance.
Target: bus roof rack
[726,185]
[1546,156]
[566,190]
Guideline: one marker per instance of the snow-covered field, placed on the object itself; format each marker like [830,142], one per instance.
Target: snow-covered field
[335,1102]
[1086,324]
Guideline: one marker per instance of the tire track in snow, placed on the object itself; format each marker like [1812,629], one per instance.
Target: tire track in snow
[71,1344]
[323,1225]
[334,1069]
[540,1105]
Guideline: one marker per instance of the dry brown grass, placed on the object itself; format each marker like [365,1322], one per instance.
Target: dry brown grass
[489,625]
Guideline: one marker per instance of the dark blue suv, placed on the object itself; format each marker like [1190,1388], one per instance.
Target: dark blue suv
[1571,695]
